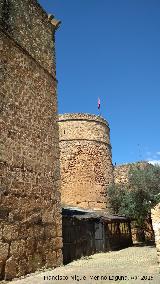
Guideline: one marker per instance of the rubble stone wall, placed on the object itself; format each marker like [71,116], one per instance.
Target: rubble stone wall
[30,210]
[86,160]
[155,213]
[121,172]
[27,23]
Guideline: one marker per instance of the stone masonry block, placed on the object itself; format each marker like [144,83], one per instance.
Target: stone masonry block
[11,268]
[4,247]
[10,232]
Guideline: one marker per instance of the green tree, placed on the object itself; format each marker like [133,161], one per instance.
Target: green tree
[116,194]
[137,197]
[144,188]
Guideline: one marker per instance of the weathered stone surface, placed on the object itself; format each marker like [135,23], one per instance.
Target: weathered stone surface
[59,229]
[51,232]
[4,251]
[10,232]
[86,160]
[18,248]
[4,247]
[1,233]
[51,259]
[121,172]
[32,29]
[58,243]
[48,216]
[11,268]
[156,227]
[29,143]
[59,257]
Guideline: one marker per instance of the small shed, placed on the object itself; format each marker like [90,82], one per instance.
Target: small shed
[86,232]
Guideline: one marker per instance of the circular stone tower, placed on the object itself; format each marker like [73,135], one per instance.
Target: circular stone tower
[85,159]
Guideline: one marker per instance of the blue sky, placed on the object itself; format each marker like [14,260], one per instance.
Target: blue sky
[111,49]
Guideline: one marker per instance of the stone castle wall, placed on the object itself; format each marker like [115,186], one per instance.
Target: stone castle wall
[86,160]
[121,172]
[155,213]
[30,211]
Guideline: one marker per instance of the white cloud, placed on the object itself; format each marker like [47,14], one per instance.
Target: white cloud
[153,158]
[154,162]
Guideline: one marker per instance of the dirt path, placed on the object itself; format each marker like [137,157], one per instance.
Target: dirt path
[127,266]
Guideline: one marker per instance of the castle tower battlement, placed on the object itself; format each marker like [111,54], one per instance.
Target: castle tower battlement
[86,127]
[86,160]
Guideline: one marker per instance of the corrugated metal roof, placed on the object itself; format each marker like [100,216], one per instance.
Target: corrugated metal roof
[80,214]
